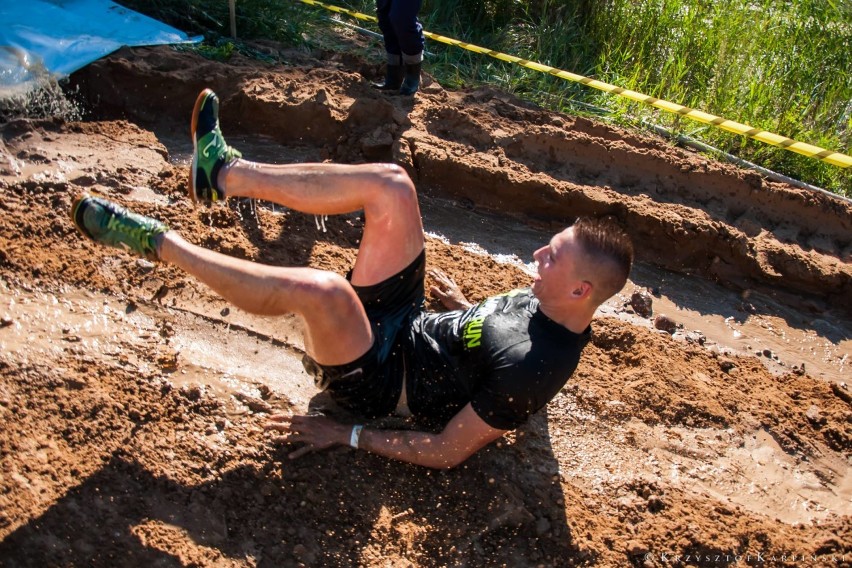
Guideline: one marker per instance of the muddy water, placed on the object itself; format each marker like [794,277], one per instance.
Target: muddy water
[47,326]
[750,470]
[234,359]
[781,338]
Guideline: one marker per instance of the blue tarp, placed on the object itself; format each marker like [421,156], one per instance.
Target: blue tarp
[61,36]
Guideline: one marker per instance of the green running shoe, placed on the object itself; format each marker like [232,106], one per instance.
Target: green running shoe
[111,224]
[210,152]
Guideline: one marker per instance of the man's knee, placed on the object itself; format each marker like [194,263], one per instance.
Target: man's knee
[394,174]
[332,294]
[337,329]
[397,188]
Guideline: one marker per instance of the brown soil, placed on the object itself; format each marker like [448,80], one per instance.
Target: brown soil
[133,399]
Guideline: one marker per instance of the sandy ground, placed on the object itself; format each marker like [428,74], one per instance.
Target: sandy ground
[132,398]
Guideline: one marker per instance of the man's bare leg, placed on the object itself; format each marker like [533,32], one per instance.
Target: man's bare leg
[393,231]
[392,239]
[336,328]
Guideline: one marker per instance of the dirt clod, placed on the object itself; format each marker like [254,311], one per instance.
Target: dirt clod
[642,302]
[665,323]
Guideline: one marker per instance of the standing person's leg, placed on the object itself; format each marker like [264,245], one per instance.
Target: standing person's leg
[394,69]
[409,31]
[393,231]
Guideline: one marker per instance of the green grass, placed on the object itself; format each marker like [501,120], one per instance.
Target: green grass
[781,65]
[280,20]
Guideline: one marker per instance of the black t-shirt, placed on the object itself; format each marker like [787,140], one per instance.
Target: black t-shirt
[504,356]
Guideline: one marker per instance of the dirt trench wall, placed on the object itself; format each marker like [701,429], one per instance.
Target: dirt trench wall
[685,212]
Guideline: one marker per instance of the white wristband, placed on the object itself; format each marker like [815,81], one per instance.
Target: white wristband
[356,435]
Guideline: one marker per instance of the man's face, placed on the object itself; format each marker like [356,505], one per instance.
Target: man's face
[557,267]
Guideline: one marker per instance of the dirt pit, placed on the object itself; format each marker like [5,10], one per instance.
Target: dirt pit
[132,398]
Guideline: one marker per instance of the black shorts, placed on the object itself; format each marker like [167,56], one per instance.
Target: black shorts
[371,385]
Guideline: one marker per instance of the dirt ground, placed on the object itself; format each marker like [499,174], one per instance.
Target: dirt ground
[132,398]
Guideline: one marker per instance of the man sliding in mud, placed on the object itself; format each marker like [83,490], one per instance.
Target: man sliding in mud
[480,370]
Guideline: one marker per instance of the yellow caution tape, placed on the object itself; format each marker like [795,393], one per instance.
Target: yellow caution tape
[809,150]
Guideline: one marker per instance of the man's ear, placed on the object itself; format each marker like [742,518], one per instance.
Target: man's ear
[582,290]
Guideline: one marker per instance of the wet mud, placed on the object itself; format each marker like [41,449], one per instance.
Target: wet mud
[132,398]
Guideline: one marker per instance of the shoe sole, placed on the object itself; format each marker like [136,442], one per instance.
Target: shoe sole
[76,215]
[193,128]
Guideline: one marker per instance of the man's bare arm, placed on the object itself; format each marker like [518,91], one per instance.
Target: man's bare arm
[461,438]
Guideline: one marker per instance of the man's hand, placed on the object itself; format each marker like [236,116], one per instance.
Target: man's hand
[447,291]
[315,432]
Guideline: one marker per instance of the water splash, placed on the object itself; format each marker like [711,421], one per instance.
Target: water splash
[253,207]
[320,221]
[28,90]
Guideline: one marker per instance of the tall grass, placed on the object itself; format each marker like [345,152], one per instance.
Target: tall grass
[780,65]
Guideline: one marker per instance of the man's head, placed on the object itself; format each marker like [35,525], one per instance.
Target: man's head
[586,263]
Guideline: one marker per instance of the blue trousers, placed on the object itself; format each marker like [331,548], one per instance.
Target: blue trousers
[401,29]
